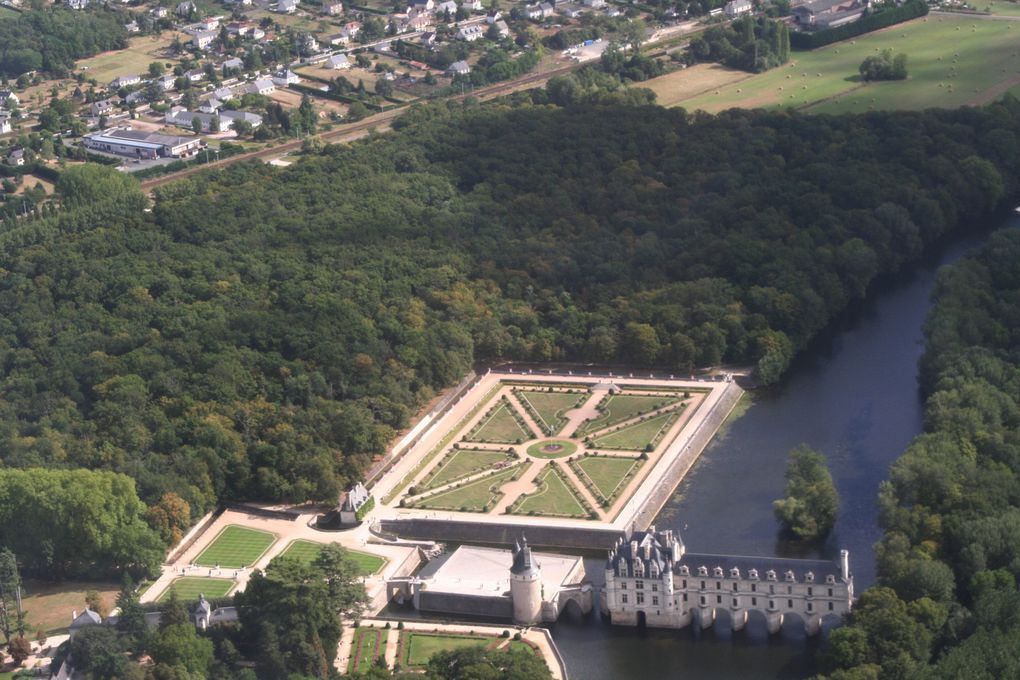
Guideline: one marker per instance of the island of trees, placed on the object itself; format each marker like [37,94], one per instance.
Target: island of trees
[810,504]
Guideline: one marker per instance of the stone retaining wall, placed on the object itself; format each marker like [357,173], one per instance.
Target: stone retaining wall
[454,531]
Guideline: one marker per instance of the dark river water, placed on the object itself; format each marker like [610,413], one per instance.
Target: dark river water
[853,396]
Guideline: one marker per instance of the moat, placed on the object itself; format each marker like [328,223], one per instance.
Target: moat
[854,396]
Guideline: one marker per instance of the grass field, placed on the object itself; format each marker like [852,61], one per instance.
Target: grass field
[638,436]
[462,463]
[553,497]
[307,551]
[134,60]
[549,407]
[952,61]
[621,407]
[1002,8]
[236,547]
[499,427]
[419,647]
[473,496]
[681,85]
[190,587]
[606,472]
[49,605]
[369,644]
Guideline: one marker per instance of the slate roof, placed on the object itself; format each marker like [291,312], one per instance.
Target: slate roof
[524,563]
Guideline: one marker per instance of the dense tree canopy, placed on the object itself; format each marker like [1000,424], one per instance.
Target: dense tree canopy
[949,561]
[51,39]
[810,502]
[262,332]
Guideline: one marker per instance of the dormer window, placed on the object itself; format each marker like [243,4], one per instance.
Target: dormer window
[789,576]
[830,579]
[770,575]
[685,570]
[752,574]
[702,571]
[734,572]
[717,572]
[809,577]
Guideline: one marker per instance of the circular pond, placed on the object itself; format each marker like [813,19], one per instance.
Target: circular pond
[552,448]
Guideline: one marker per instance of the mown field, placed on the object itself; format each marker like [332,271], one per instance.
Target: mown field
[952,61]
[134,60]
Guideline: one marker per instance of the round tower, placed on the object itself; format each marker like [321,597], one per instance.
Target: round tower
[526,585]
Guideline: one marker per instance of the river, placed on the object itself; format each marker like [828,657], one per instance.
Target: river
[852,395]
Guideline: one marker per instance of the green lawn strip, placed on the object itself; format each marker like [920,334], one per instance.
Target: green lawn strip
[638,436]
[547,408]
[236,547]
[948,58]
[418,648]
[307,551]
[369,644]
[449,437]
[190,587]
[553,497]
[607,474]
[620,407]
[500,426]
[461,463]
[472,496]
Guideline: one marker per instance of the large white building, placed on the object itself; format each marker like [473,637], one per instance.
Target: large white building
[143,145]
[652,581]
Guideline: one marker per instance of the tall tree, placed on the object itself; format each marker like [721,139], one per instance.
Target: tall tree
[810,504]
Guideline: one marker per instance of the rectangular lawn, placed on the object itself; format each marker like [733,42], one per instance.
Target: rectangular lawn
[188,588]
[607,472]
[463,463]
[369,644]
[499,427]
[419,647]
[307,551]
[236,547]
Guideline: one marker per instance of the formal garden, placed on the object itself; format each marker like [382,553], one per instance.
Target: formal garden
[574,450]
[415,648]
[188,588]
[369,644]
[307,551]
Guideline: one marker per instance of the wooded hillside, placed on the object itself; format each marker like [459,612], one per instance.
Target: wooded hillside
[262,332]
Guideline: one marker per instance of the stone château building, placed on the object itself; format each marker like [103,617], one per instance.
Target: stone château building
[651,580]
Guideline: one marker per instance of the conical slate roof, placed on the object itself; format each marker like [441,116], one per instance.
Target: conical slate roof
[524,564]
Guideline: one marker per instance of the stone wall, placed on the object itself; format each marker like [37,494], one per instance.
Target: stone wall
[453,531]
[466,605]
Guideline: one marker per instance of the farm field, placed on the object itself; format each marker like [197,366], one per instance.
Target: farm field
[621,407]
[307,551]
[683,84]
[607,472]
[1003,8]
[48,606]
[461,464]
[952,61]
[236,547]
[134,60]
[499,427]
[553,497]
[188,588]
[550,407]
[637,436]
[473,496]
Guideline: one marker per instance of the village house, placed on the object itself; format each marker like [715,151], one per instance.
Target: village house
[821,14]
[159,12]
[223,93]
[132,27]
[16,157]
[125,81]
[447,7]
[185,8]
[571,11]
[309,45]
[287,6]
[102,107]
[352,28]
[167,82]
[232,65]
[5,124]
[224,120]
[736,8]
[210,24]
[332,9]
[428,39]
[8,99]
[210,105]
[421,6]
[418,21]
[470,33]
[473,5]
[539,12]
[203,39]
[77,4]
[503,28]
[285,77]
[458,68]
[262,86]
[335,39]
[338,62]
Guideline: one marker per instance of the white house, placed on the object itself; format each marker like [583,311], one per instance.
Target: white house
[159,12]
[132,27]
[504,30]
[262,86]
[77,4]
[458,68]
[447,6]
[338,62]
[125,81]
[223,93]
[285,77]
[233,64]
[210,105]
[203,39]
[287,6]
[341,38]
[539,12]
[473,5]
[8,99]
[470,33]
[332,8]
[5,124]
[210,24]
[16,157]
[736,8]
[102,107]
[595,4]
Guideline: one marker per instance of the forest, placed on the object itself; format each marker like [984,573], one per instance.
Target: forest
[947,604]
[263,333]
[51,39]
